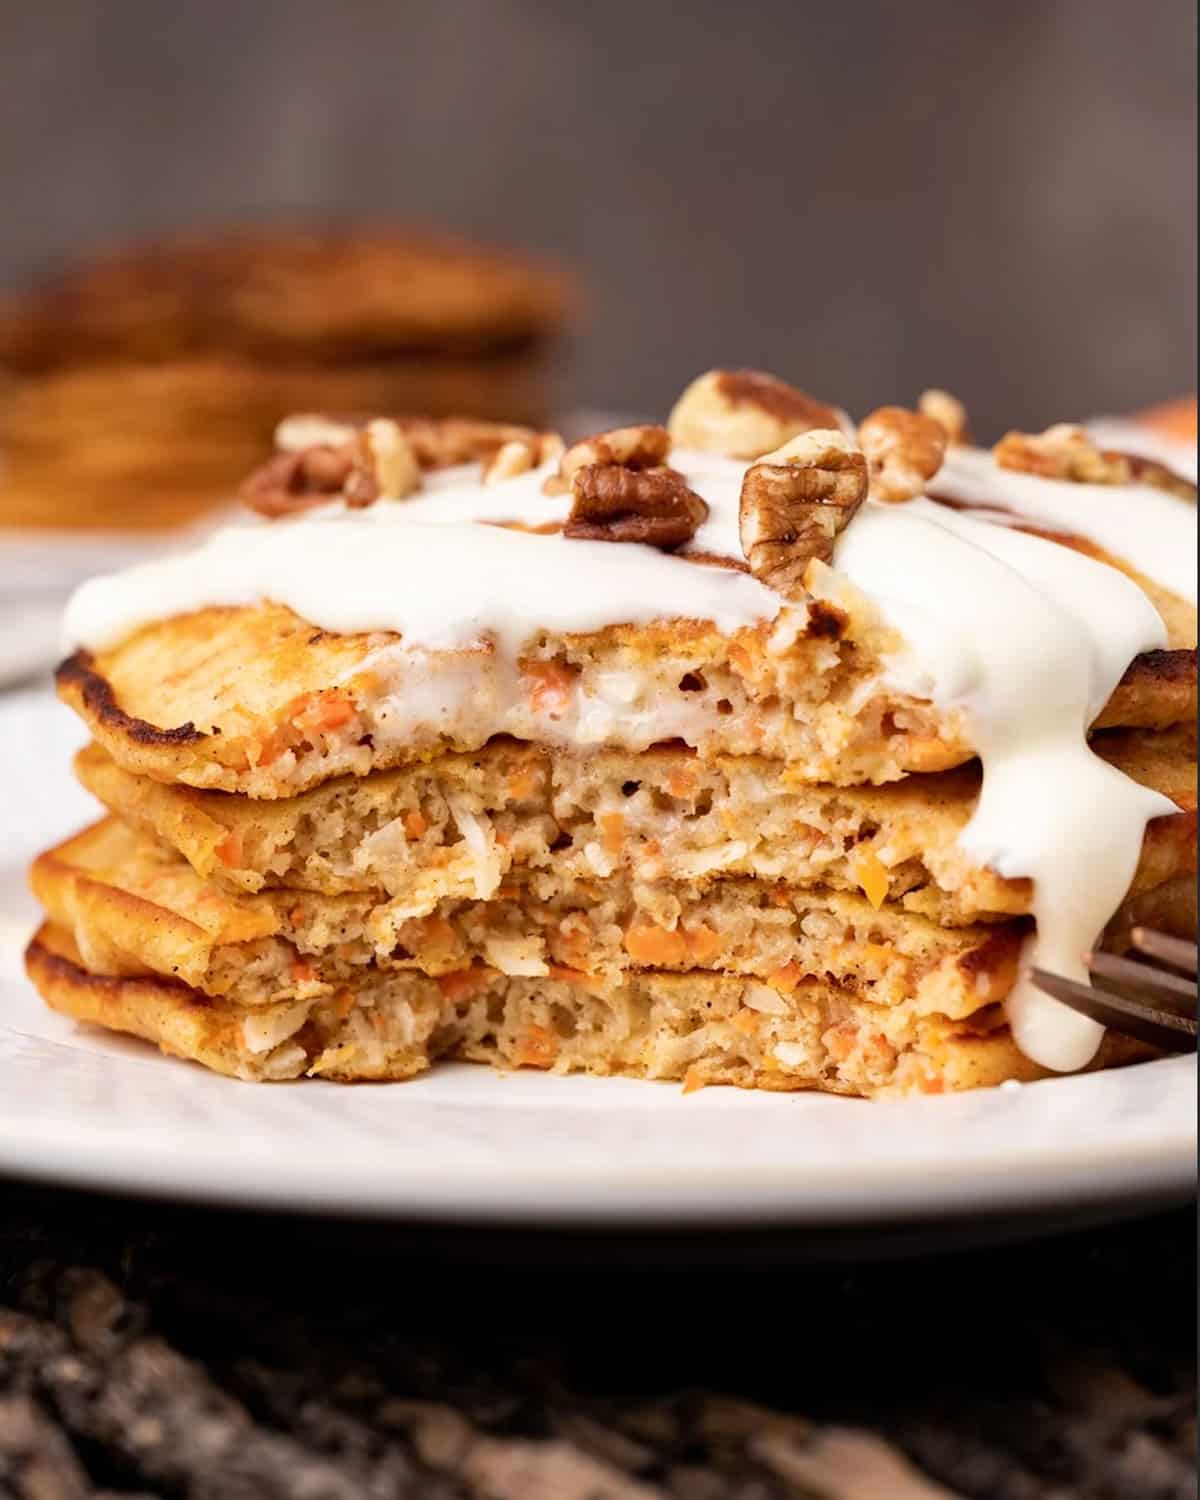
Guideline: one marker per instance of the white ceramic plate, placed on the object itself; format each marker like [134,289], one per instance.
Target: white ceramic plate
[467,1144]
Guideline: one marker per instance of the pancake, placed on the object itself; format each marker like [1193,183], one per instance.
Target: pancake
[459,825]
[137,388]
[149,445]
[255,700]
[698,1028]
[133,906]
[279,294]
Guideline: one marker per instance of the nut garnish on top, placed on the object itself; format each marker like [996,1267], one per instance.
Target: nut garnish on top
[614,503]
[293,482]
[642,447]
[795,502]
[949,413]
[744,414]
[323,458]
[905,450]
[1069,452]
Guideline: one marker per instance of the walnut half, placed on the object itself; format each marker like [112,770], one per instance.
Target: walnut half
[905,450]
[795,502]
[744,413]
[612,503]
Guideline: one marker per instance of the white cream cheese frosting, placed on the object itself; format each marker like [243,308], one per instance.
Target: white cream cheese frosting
[1027,637]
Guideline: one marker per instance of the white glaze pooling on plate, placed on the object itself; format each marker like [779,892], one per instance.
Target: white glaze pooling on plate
[1148,527]
[1028,637]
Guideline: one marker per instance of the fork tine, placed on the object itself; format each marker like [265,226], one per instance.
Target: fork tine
[1168,950]
[1158,1027]
[1146,982]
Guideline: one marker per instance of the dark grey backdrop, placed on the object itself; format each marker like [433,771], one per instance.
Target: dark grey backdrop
[866,195]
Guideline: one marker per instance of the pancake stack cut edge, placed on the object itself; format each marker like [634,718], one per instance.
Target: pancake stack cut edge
[279,888]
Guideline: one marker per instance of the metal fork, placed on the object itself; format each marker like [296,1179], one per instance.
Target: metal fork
[1154,1001]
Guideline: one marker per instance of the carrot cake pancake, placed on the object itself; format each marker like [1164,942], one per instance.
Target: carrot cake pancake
[760,747]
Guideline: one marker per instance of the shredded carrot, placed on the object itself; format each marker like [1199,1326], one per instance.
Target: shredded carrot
[612,831]
[229,850]
[703,944]
[681,782]
[568,976]
[657,947]
[747,1021]
[574,940]
[303,969]
[933,1085]
[740,659]
[550,687]
[781,896]
[693,1080]
[464,984]
[272,746]
[416,824]
[872,877]
[537,1048]
[436,932]
[343,1003]
[522,785]
[840,1041]
[296,915]
[787,978]
[321,711]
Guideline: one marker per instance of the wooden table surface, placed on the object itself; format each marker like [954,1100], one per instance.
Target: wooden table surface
[148,1351]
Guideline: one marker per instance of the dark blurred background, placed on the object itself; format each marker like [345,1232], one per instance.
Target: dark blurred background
[864,196]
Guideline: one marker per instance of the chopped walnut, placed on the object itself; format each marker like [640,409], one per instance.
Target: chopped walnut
[744,414]
[949,413]
[795,502]
[904,449]
[614,503]
[642,447]
[1069,452]
[519,455]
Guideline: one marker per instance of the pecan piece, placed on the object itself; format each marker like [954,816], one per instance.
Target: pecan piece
[949,413]
[794,503]
[1067,451]
[904,450]
[391,468]
[519,455]
[643,447]
[744,413]
[294,482]
[1064,451]
[614,503]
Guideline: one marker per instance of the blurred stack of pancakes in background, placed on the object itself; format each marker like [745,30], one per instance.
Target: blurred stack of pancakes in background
[138,388]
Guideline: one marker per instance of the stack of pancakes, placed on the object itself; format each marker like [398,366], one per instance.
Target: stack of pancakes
[322,859]
[138,389]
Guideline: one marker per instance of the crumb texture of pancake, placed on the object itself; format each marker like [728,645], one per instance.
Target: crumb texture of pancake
[697,1028]
[460,825]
